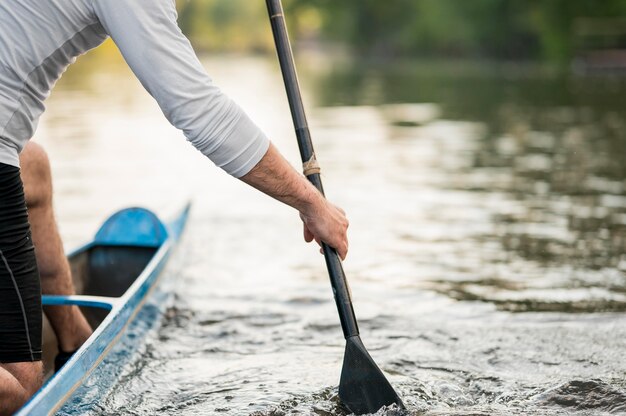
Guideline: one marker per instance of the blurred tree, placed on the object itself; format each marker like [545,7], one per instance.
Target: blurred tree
[502,29]
[494,29]
[225,25]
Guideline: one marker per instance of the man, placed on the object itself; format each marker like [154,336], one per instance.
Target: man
[38,40]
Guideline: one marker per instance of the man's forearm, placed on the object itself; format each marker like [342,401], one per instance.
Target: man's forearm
[274,176]
[322,220]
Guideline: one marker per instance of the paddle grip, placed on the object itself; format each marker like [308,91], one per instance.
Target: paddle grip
[337,276]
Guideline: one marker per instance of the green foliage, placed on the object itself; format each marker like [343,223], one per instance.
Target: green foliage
[506,29]
[220,25]
[500,29]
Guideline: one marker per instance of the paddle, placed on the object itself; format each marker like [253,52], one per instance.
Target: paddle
[363,387]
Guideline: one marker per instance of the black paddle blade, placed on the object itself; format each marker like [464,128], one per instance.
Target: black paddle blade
[363,387]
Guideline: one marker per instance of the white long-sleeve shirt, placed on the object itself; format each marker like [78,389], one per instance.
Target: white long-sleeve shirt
[39,39]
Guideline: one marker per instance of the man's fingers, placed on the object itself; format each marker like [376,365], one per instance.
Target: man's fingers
[341,247]
[329,226]
[342,250]
[308,235]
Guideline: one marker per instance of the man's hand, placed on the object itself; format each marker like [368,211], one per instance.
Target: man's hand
[327,223]
[323,221]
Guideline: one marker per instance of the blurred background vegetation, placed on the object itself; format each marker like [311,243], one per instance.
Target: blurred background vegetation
[545,31]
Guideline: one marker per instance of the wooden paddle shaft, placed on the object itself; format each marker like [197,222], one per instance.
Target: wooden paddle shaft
[288,69]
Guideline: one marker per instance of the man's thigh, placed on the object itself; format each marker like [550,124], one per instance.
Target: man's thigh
[20,293]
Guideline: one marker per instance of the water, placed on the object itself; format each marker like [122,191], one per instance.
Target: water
[488,239]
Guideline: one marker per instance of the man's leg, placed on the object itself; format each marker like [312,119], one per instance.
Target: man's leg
[20,297]
[68,322]
[18,381]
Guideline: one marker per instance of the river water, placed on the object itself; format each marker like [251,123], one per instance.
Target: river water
[488,239]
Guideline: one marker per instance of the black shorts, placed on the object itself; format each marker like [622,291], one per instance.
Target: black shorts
[20,290]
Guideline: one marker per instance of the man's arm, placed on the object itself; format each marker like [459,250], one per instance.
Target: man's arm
[70,325]
[162,58]
[148,36]
[323,221]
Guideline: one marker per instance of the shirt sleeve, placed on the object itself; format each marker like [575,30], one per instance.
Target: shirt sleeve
[147,34]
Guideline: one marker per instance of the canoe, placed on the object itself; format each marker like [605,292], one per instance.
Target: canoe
[117,277]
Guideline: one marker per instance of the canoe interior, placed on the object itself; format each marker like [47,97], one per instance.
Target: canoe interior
[101,270]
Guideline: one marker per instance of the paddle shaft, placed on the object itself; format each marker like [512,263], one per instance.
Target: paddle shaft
[288,69]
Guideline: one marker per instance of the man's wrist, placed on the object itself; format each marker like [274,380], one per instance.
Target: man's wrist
[277,178]
[311,201]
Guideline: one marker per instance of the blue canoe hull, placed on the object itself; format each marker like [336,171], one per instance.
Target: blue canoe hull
[122,268]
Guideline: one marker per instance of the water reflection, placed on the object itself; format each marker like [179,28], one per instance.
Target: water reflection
[552,149]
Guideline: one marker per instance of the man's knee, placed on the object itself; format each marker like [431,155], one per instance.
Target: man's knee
[18,382]
[35,173]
